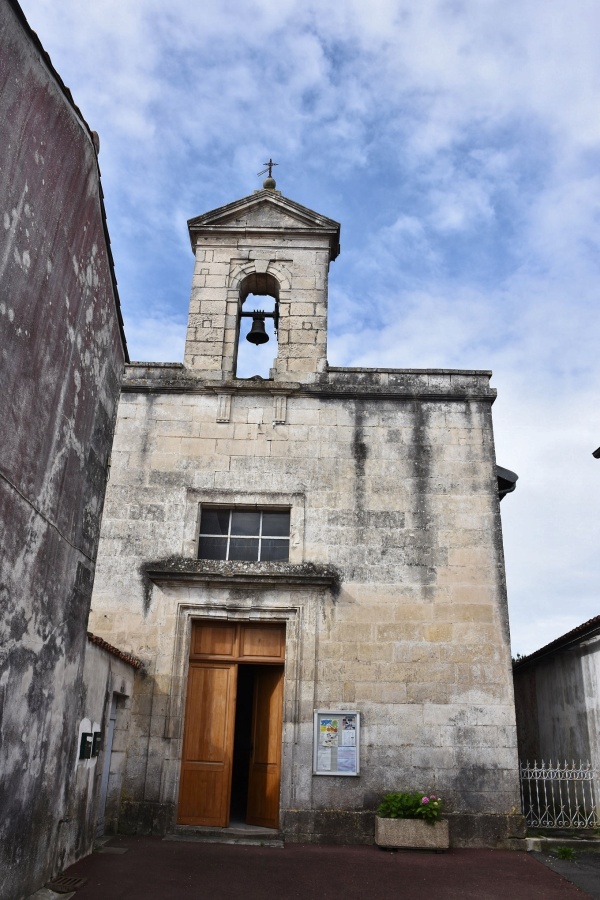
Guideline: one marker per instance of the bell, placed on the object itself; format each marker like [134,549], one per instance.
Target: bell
[257,334]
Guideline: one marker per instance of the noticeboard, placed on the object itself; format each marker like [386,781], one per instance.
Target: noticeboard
[336,742]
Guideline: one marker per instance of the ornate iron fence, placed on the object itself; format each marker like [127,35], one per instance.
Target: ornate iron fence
[556,795]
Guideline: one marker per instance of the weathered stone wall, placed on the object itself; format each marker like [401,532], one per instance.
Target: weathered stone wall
[391,482]
[556,700]
[104,674]
[61,360]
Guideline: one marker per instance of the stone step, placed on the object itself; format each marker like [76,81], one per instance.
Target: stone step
[236,834]
[543,844]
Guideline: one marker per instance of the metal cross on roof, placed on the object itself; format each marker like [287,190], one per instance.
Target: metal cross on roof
[269,168]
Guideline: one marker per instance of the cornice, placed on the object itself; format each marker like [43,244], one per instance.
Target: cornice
[373,385]
[182,571]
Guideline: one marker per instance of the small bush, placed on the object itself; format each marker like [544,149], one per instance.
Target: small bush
[565,853]
[415,805]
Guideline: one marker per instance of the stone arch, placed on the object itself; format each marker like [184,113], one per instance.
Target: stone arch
[261,283]
[282,274]
[241,270]
[238,272]
[253,278]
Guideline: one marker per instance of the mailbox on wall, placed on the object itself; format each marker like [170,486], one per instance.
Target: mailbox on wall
[85,747]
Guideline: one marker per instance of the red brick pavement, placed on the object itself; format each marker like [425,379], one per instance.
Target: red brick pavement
[171,870]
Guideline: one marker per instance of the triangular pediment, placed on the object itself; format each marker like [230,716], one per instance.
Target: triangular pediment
[266,211]
[267,215]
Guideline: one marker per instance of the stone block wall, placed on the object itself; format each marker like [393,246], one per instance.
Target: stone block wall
[391,483]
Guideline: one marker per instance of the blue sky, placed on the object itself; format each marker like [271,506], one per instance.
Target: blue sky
[457,142]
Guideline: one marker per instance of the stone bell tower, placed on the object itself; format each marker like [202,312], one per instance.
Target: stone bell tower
[267,245]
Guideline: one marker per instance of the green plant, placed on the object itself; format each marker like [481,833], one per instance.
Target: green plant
[565,853]
[410,805]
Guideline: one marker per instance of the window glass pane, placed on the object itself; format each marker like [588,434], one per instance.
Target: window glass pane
[243,548]
[244,521]
[213,548]
[276,524]
[275,550]
[214,521]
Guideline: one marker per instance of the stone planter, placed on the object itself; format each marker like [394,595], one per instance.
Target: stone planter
[412,834]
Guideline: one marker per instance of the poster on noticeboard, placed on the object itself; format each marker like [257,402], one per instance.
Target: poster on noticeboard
[336,742]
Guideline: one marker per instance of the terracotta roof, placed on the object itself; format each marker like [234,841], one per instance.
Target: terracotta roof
[120,654]
[586,630]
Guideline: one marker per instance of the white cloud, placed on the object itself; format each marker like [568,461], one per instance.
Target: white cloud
[160,338]
[458,144]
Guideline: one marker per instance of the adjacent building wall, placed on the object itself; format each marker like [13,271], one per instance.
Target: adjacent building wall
[61,359]
[558,712]
[107,675]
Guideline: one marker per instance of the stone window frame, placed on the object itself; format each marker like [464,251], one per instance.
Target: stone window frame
[265,500]
[259,535]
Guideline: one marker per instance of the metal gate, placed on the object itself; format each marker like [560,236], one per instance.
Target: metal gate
[556,795]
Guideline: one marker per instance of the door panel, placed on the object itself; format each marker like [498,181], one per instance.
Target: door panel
[205,784]
[213,640]
[265,760]
[262,642]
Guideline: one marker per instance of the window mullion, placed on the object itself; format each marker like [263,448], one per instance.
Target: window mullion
[229,532]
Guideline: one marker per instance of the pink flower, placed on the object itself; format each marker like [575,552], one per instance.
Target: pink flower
[425,800]
[432,797]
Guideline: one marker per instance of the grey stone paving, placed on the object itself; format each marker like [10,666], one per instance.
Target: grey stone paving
[583,871]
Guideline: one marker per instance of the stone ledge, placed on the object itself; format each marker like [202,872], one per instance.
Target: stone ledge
[346,383]
[340,826]
[181,570]
[328,826]
[336,370]
[331,826]
[545,844]
[487,830]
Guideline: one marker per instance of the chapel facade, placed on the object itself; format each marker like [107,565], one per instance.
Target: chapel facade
[308,565]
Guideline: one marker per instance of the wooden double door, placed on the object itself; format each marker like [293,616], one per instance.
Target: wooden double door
[231,761]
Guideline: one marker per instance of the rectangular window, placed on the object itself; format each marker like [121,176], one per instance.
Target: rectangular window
[253,535]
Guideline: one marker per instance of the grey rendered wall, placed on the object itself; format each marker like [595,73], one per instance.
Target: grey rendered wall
[61,359]
[103,676]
